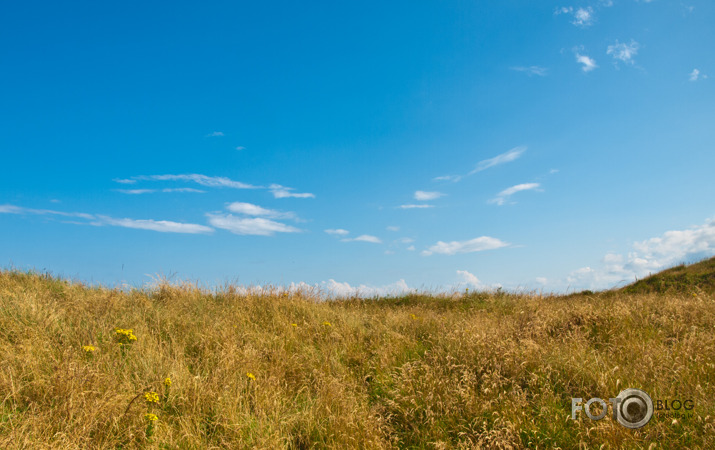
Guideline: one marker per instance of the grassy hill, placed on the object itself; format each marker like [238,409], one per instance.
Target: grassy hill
[683,278]
[174,366]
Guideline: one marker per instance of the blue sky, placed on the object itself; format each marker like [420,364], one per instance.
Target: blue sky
[372,145]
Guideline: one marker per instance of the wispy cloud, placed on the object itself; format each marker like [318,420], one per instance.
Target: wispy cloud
[532,70]
[240,147]
[512,155]
[453,178]
[124,180]
[426,196]
[588,63]
[279,191]
[163,226]
[364,238]
[250,209]
[473,245]
[136,191]
[257,226]
[203,180]
[344,289]
[393,228]
[581,17]
[151,191]
[623,52]
[422,206]
[215,134]
[508,192]
[338,232]
[695,75]
[12,209]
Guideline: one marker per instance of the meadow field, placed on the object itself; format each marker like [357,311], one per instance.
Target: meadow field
[175,366]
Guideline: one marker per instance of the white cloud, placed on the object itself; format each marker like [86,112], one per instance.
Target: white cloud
[256,226]
[338,231]
[426,196]
[468,278]
[240,147]
[581,17]
[163,226]
[648,256]
[532,70]
[197,191]
[506,157]
[124,181]
[415,206]
[501,197]
[364,238]
[474,245]
[405,240]
[541,280]
[12,209]
[136,191]
[215,134]
[624,52]
[411,248]
[453,178]
[344,289]
[279,191]
[203,180]
[250,209]
[695,75]
[589,63]
[393,228]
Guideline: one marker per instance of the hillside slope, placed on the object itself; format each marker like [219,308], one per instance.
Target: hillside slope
[683,278]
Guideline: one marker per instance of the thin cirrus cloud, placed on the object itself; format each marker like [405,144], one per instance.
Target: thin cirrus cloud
[506,157]
[426,196]
[338,232]
[151,191]
[256,226]
[250,209]
[532,70]
[473,245]
[364,238]
[279,191]
[504,195]
[215,134]
[203,180]
[695,75]
[421,206]
[164,226]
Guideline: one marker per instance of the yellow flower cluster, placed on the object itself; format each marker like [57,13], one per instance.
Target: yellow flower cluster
[151,397]
[251,376]
[89,349]
[167,381]
[125,336]
[327,324]
[151,417]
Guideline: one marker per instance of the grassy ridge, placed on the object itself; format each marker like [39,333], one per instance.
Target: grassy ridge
[286,371]
[683,278]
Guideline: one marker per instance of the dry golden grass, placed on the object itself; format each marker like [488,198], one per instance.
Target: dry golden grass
[287,371]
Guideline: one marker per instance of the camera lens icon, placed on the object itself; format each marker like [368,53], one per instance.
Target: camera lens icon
[635,408]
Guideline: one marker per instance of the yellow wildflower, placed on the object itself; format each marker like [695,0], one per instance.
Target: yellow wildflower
[294,324]
[151,417]
[327,324]
[251,376]
[125,336]
[151,397]
[89,348]
[167,381]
